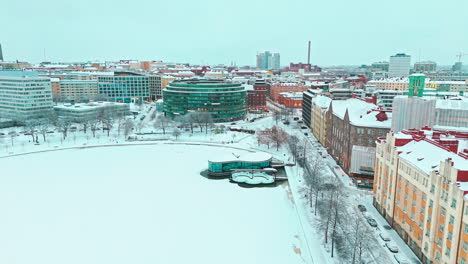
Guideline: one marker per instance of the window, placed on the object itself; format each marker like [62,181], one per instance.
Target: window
[442,211]
[432,188]
[431,203]
[466,229]
[454,203]
[449,236]
[452,219]
[447,252]
[465,246]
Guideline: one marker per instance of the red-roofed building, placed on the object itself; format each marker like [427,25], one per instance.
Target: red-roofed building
[421,187]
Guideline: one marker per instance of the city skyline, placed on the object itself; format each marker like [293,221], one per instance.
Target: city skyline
[205,33]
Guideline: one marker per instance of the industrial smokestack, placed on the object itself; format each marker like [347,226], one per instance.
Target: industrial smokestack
[308,54]
[1,54]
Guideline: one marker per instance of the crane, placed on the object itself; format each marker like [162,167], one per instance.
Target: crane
[460,55]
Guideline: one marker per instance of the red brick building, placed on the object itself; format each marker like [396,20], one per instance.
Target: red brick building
[256,95]
[277,88]
[291,99]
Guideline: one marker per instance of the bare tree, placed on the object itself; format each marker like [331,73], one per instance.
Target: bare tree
[263,137]
[176,133]
[64,125]
[293,143]
[276,116]
[189,120]
[128,127]
[162,122]
[44,127]
[207,120]
[93,125]
[278,136]
[31,127]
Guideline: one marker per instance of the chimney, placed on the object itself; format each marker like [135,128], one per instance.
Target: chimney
[308,54]
[1,53]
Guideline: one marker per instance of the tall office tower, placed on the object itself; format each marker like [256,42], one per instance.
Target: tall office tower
[25,98]
[1,53]
[275,62]
[268,61]
[399,65]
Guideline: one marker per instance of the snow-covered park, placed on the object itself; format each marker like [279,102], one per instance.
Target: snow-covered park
[140,204]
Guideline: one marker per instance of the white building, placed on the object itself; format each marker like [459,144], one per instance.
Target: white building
[400,65]
[441,114]
[82,112]
[23,98]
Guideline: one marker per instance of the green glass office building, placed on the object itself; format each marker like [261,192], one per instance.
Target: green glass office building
[224,100]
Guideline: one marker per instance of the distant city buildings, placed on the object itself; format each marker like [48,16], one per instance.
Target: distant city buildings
[268,61]
[425,66]
[25,98]
[399,65]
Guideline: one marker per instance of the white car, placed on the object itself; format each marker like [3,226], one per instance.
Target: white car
[400,259]
[392,247]
[384,237]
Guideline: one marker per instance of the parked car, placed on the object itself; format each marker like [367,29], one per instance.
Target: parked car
[400,259]
[233,124]
[372,222]
[304,127]
[362,208]
[306,134]
[300,122]
[2,134]
[392,247]
[384,237]
[50,132]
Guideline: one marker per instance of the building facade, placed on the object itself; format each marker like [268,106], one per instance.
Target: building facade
[25,98]
[425,66]
[399,66]
[224,101]
[353,125]
[78,90]
[282,87]
[124,87]
[155,87]
[423,196]
[268,61]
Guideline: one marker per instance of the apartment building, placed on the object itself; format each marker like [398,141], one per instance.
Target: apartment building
[352,127]
[78,90]
[320,105]
[24,98]
[421,179]
[282,87]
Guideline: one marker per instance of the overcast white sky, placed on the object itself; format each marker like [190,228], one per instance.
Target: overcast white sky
[217,31]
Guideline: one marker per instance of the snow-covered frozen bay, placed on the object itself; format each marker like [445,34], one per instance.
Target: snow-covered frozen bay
[139,204]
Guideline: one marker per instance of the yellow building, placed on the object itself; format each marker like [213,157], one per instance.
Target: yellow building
[318,121]
[420,183]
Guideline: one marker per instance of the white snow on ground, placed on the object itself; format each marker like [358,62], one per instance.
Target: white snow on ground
[140,204]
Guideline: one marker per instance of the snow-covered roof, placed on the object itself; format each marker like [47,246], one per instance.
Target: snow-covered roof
[360,113]
[249,157]
[416,153]
[461,104]
[322,101]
